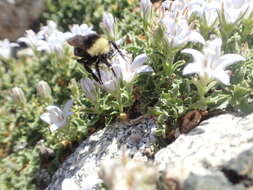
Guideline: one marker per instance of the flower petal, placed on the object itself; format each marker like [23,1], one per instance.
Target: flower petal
[213,47]
[53,127]
[67,107]
[192,68]
[221,76]
[54,112]
[139,60]
[46,117]
[52,107]
[195,37]
[144,68]
[229,59]
[197,55]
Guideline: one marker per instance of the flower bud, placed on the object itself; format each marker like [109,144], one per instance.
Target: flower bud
[89,89]
[109,26]
[44,90]
[18,95]
[146,9]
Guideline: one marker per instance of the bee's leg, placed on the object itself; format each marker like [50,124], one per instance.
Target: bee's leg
[97,70]
[88,69]
[116,47]
[105,61]
[86,63]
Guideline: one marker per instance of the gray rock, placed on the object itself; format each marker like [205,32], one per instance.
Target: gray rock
[106,144]
[17,16]
[217,155]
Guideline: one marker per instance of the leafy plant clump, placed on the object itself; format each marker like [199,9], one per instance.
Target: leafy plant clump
[178,63]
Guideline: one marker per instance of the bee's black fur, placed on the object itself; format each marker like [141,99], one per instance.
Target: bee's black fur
[89,40]
[82,44]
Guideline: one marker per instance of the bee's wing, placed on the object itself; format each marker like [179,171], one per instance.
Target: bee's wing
[76,41]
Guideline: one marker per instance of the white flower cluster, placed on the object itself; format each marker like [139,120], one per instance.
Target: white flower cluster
[176,16]
[50,39]
[175,19]
[126,69]
[232,10]
[209,64]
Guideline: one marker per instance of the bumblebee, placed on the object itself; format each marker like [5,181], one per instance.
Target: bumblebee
[93,50]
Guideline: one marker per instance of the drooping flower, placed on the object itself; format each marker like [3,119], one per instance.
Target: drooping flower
[5,48]
[211,64]
[89,89]
[131,69]
[56,117]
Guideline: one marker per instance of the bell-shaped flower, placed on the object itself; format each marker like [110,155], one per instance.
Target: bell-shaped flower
[89,88]
[5,48]
[178,32]
[131,69]
[110,82]
[211,64]
[56,117]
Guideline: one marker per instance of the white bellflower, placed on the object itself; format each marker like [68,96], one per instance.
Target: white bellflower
[56,117]
[131,69]
[211,64]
